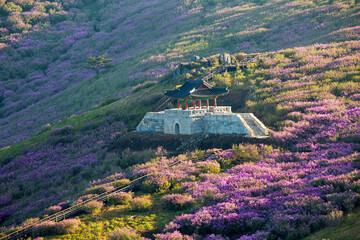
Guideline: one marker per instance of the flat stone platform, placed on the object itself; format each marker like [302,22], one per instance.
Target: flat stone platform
[213,120]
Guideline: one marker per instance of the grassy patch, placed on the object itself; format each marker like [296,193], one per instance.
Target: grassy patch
[349,229]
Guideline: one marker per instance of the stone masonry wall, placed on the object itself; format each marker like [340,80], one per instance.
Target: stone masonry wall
[152,122]
[225,124]
[200,121]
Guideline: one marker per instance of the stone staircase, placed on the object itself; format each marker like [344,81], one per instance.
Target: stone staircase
[257,128]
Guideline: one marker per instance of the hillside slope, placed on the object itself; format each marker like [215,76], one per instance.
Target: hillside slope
[42,70]
[296,92]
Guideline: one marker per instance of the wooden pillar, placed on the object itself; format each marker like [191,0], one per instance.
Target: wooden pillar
[207,103]
[215,105]
[186,106]
[179,104]
[194,104]
[200,104]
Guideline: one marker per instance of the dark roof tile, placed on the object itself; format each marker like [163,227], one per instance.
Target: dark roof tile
[192,86]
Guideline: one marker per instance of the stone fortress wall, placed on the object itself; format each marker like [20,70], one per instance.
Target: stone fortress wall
[216,120]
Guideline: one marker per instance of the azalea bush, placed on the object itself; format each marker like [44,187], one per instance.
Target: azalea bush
[178,201]
[52,228]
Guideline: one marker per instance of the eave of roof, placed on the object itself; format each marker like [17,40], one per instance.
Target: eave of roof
[191,89]
[210,92]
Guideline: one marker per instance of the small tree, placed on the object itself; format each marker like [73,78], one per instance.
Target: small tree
[98,62]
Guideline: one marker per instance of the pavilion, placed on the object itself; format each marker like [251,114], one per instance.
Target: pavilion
[195,91]
[200,119]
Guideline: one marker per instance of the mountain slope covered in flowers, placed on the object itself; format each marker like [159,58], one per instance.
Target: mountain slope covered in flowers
[45,44]
[306,180]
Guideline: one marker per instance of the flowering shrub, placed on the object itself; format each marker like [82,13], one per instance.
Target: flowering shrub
[51,228]
[173,236]
[45,229]
[67,226]
[53,209]
[141,204]
[177,201]
[214,237]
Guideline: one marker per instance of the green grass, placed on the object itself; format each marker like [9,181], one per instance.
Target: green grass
[94,116]
[349,229]
[98,226]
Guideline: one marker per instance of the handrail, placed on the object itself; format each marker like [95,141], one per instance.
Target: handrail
[61,215]
[166,99]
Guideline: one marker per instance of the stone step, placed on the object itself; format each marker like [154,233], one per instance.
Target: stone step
[254,128]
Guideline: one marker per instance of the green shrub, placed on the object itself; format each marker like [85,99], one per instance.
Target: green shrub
[207,167]
[99,189]
[125,233]
[121,183]
[121,198]
[12,7]
[196,65]
[30,221]
[244,153]
[93,207]
[141,204]
[155,184]
[27,4]
[129,158]
[45,128]
[334,218]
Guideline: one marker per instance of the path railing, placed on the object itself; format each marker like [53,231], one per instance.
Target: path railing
[222,68]
[163,101]
[76,208]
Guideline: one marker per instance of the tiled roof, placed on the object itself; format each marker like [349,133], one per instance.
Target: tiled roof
[192,86]
[209,92]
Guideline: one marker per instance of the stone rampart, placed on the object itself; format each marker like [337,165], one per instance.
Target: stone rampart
[218,120]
